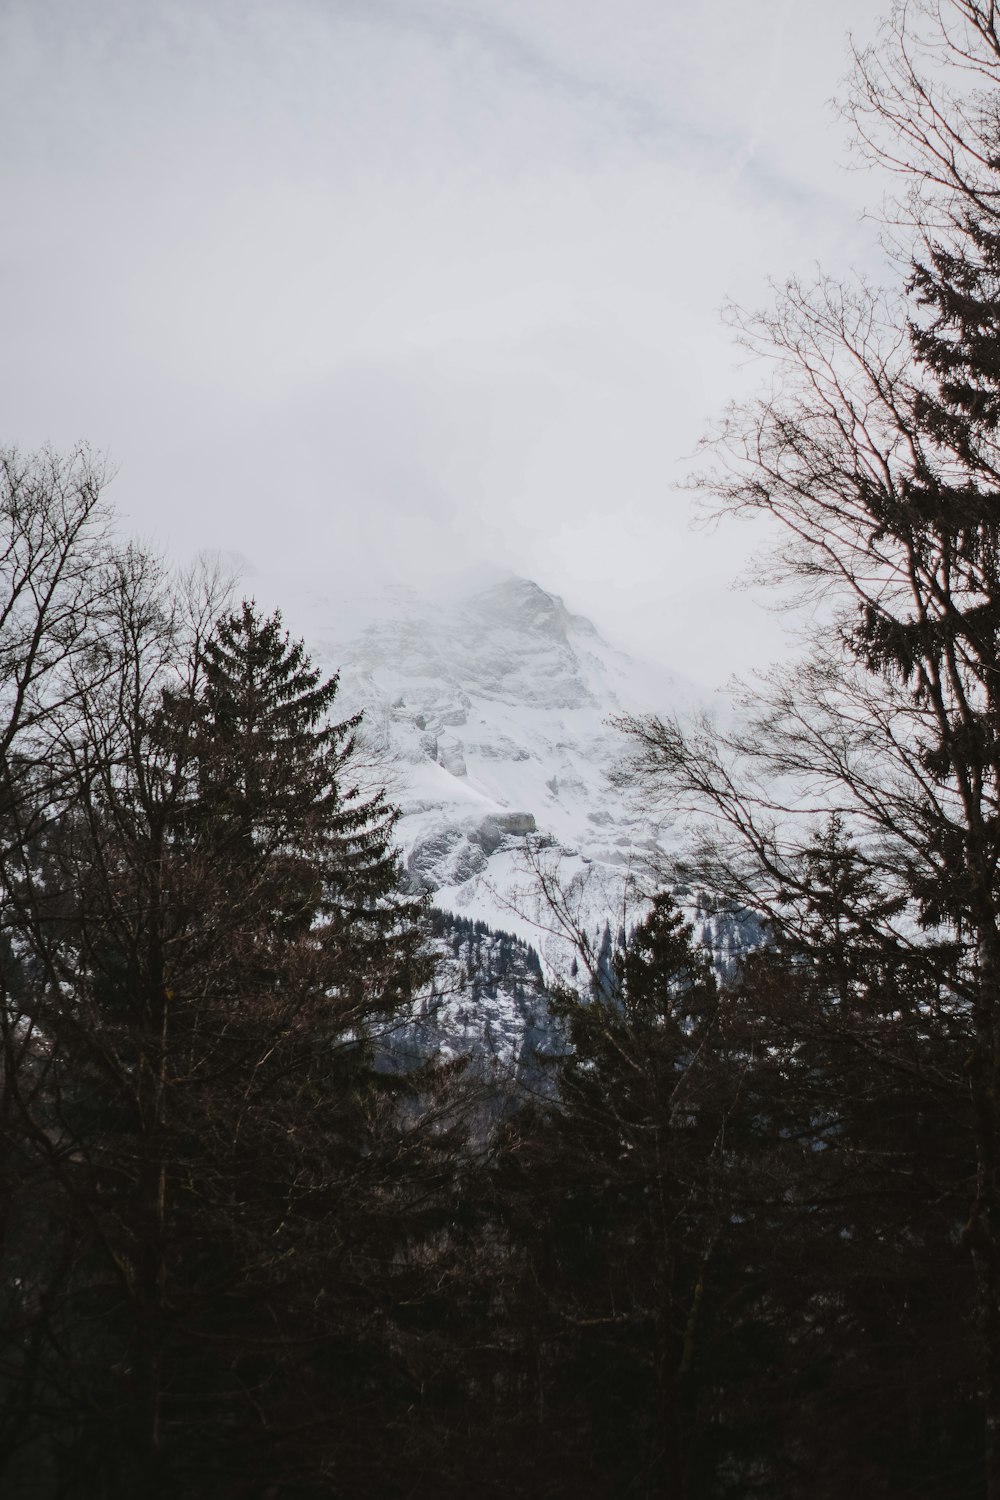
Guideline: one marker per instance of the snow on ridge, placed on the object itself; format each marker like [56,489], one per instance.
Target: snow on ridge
[486,716]
[484,701]
[494,704]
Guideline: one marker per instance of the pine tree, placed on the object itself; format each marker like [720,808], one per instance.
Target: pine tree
[945,649]
[219,930]
[276,796]
[856,1158]
[611,1195]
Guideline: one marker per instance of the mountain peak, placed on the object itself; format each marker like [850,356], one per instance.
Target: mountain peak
[521,603]
[489,709]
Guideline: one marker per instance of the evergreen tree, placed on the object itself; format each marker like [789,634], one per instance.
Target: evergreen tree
[944,648]
[277,799]
[217,926]
[612,1196]
[856,1156]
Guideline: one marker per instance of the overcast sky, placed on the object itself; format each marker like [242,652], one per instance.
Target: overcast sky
[397,285]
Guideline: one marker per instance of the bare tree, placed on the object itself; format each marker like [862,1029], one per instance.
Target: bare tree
[55,551]
[875,453]
[922,103]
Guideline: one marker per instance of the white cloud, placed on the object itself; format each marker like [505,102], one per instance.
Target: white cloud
[438,279]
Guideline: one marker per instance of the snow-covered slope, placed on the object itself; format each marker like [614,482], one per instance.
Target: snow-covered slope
[488,714]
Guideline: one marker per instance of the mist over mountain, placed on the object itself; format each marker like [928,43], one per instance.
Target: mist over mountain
[487,712]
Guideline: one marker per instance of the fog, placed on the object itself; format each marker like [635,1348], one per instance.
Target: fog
[393,289]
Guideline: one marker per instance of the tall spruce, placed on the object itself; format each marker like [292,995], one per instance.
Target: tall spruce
[946,648]
[856,1181]
[211,931]
[277,796]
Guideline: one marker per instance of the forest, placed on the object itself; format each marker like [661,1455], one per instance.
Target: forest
[738,1235]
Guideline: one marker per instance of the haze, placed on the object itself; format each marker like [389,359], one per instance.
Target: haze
[388,290]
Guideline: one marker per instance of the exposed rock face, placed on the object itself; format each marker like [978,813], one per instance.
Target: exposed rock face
[489,1002]
[444,856]
[450,756]
[453,853]
[490,833]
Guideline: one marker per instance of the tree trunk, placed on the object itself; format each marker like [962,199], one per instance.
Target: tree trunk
[982,1232]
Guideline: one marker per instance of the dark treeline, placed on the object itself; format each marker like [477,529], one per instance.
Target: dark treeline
[252,1245]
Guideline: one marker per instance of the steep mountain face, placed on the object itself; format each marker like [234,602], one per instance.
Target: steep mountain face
[488,1003]
[489,716]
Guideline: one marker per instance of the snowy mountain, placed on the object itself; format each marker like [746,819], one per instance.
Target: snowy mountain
[489,1002]
[487,714]
[490,713]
